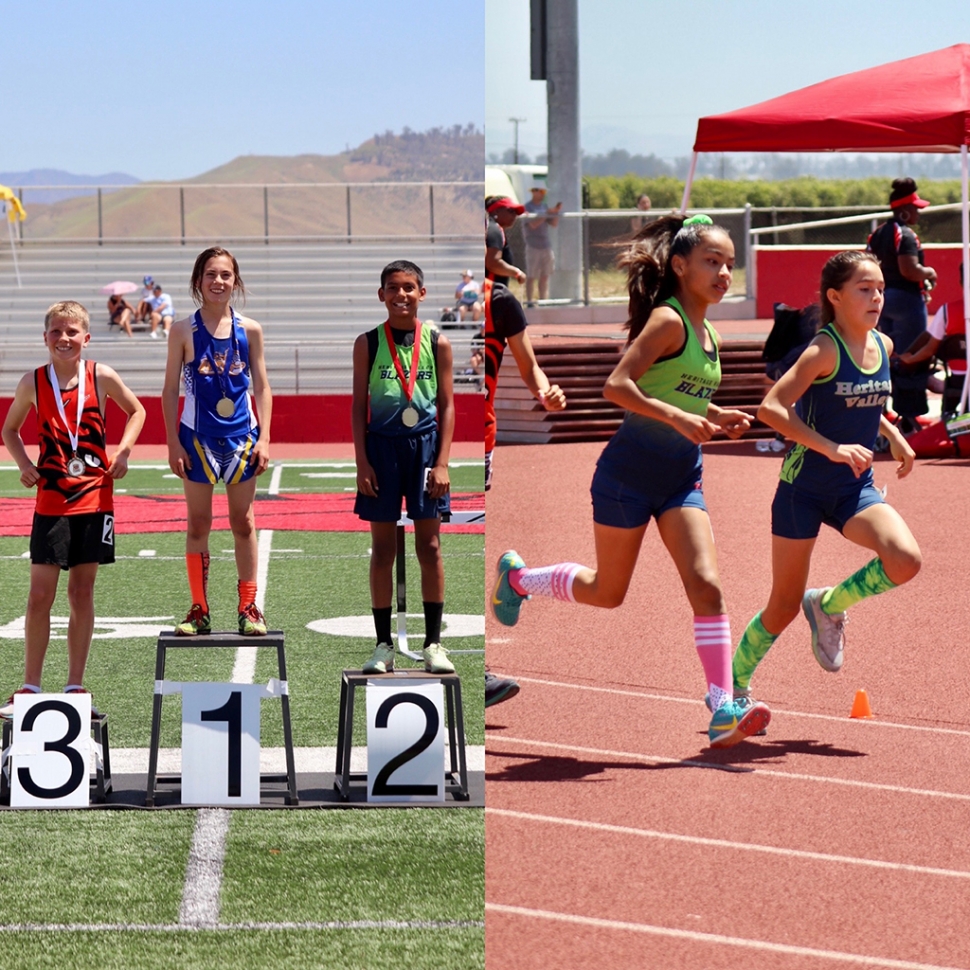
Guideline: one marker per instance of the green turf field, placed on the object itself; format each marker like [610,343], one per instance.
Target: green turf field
[351,888]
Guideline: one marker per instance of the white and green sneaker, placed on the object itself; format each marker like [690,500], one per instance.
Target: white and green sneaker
[436,659]
[382,660]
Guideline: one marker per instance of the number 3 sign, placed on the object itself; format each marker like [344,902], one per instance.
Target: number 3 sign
[49,756]
[405,742]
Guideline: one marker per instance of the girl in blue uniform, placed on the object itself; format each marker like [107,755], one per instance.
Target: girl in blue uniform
[218,354]
[830,404]
[651,468]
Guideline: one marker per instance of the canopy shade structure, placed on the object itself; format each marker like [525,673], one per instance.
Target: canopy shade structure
[918,104]
[15,210]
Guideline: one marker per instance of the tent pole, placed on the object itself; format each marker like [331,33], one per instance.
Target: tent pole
[13,252]
[965,233]
[688,184]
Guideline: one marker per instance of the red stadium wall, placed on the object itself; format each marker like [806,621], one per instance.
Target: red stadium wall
[789,274]
[303,418]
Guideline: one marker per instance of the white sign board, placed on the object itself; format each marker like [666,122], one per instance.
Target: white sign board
[50,751]
[405,741]
[220,744]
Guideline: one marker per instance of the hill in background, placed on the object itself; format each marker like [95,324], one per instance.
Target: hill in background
[295,208]
[54,176]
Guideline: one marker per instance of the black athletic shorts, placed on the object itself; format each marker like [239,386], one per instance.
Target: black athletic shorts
[72,540]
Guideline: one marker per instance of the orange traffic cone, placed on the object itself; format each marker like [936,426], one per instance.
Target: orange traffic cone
[860,706]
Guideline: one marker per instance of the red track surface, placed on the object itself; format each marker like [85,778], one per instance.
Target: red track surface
[601,789]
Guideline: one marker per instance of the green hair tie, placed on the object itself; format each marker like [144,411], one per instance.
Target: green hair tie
[699,220]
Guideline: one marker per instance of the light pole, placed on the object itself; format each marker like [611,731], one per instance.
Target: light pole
[516,121]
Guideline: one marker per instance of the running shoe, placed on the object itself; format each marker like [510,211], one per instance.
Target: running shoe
[382,661]
[498,689]
[505,600]
[252,623]
[828,630]
[732,723]
[742,701]
[196,623]
[96,715]
[436,659]
[6,712]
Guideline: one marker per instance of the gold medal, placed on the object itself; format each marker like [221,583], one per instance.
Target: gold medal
[75,467]
[409,416]
[225,408]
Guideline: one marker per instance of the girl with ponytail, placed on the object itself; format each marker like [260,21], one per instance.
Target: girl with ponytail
[651,468]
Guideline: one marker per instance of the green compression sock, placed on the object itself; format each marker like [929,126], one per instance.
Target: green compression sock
[755,643]
[868,581]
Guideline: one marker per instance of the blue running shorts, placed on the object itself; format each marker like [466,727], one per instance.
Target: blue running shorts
[618,504]
[798,514]
[218,459]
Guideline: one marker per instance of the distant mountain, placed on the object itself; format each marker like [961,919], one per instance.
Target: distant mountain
[54,176]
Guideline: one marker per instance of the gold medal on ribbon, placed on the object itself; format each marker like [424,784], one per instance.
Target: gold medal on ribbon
[225,408]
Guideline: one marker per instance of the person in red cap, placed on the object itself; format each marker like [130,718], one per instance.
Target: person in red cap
[903,319]
[502,213]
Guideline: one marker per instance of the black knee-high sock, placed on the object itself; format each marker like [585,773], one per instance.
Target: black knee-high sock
[432,622]
[382,624]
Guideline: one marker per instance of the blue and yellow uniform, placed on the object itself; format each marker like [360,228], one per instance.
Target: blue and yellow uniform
[401,454]
[648,467]
[845,407]
[219,446]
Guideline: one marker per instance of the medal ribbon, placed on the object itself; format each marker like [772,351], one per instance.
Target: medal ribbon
[222,375]
[406,384]
[55,384]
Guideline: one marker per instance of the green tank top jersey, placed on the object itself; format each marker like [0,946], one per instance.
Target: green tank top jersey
[387,397]
[688,379]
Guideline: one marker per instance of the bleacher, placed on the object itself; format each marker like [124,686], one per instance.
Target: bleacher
[312,299]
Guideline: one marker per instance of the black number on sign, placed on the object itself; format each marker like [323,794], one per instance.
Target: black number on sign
[381,787]
[62,746]
[231,713]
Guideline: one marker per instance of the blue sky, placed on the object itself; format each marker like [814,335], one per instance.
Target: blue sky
[650,68]
[169,90]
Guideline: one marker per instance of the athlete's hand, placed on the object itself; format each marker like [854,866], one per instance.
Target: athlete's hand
[366,480]
[859,459]
[694,427]
[30,477]
[732,422]
[903,452]
[553,399]
[178,460]
[117,466]
[519,276]
[260,456]
[439,484]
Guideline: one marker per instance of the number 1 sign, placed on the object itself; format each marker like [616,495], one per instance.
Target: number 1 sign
[220,744]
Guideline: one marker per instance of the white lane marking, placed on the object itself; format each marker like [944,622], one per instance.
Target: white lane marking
[728,844]
[736,769]
[274,482]
[764,945]
[203,871]
[146,553]
[875,722]
[244,668]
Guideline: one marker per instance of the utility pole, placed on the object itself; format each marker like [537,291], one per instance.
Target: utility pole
[516,121]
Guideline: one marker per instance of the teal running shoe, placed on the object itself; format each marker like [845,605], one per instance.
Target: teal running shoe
[506,602]
[733,722]
[742,702]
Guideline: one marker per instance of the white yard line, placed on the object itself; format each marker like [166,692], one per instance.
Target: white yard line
[203,871]
[362,924]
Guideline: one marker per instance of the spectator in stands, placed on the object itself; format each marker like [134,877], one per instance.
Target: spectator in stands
[143,311]
[502,213]
[908,282]
[638,222]
[468,295]
[540,261]
[120,312]
[476,366]
[162,312]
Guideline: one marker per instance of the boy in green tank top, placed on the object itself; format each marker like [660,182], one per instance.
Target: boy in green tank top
[403,416]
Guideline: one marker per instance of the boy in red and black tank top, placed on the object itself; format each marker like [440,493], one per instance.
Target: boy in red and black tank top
[73,526]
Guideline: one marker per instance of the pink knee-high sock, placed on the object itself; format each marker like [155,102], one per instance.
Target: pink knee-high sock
[712,637]
[555,581]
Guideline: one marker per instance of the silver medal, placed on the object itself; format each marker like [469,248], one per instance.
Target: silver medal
[409,416]
[75,467]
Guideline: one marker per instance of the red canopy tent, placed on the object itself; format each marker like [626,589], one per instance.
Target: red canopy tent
[919,104]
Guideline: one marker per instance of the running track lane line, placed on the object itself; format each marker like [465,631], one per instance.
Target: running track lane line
[763,945]
[774,710]
[686,763]
[726,844]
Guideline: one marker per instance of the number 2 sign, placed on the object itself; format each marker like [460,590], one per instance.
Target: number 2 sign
[405,742]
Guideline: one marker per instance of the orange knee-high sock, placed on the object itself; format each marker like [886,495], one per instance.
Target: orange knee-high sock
[197,564]
[247,593]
